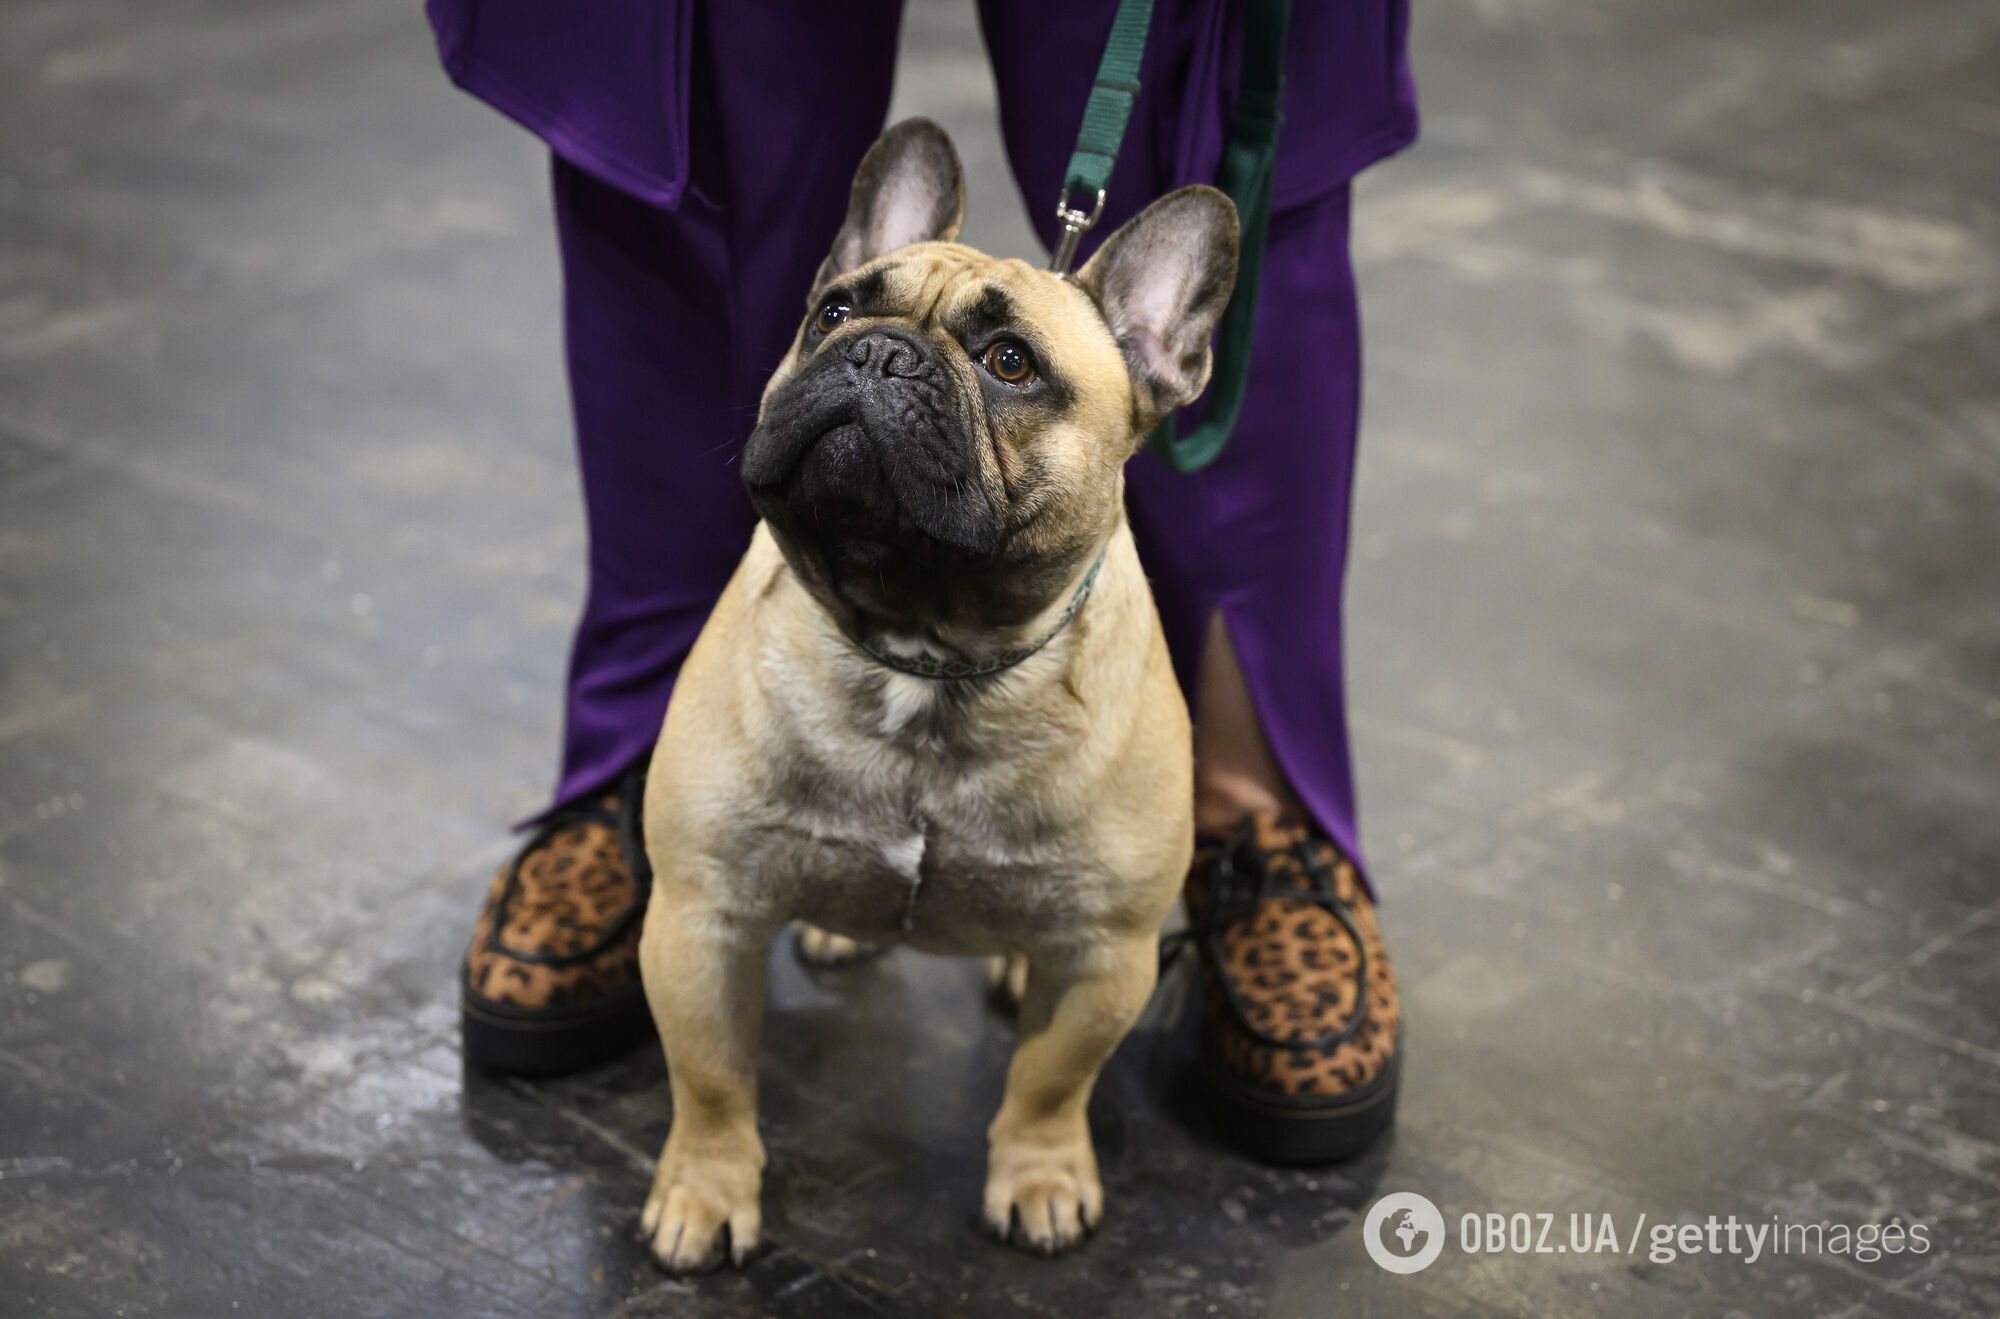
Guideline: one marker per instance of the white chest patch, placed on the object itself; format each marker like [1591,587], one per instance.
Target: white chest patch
[905,699]
[905,856]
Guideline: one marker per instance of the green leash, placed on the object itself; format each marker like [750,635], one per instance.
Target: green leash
[1245,175]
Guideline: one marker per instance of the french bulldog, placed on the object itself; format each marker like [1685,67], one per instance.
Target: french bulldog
[934,704]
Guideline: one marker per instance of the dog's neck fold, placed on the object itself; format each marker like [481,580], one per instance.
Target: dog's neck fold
[939,617]
[919,660]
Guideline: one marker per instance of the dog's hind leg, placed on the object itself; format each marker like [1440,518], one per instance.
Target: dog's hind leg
[1007,979]
[819,947]
[1042,1189]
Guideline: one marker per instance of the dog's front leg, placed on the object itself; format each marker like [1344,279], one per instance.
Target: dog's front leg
[1042,1190]
[704,975]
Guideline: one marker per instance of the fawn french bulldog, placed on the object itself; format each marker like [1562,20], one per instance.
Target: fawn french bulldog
[934,705]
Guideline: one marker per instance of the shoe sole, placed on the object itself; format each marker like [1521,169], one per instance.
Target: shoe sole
[1274,1130]
[497,1041]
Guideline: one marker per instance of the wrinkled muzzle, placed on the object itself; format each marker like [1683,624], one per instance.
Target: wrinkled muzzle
[874,437]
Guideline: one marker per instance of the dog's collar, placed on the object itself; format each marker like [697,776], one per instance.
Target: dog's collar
[959,670]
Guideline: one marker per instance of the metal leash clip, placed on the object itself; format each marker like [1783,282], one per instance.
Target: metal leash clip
[1075,224]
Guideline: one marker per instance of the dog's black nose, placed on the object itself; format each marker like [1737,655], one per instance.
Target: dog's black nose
[891,353]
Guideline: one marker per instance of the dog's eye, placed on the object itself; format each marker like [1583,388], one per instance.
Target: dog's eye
[831,316]
[1009,362]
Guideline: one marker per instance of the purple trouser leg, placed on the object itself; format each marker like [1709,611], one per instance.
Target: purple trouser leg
[674,317]
[672,322]
[1261,535]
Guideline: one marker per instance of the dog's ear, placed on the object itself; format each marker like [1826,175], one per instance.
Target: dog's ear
[909,189]
[1162,281]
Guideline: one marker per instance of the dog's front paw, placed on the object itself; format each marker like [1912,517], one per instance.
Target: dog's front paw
[819,947]
[701,1210]
[1043,1197]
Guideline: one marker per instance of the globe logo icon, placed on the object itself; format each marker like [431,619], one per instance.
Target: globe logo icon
[1409,1231]
[1403,1232]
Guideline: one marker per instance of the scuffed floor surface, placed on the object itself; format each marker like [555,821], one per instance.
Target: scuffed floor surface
[1676,667]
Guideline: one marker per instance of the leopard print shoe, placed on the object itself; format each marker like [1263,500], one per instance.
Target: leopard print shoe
[551,980]
[1300,1021]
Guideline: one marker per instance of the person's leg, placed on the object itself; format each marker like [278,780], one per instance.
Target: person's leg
[673,320]
[1247,560]
[1240,775]
[1258,592]
[1247,557]
[656,418]
[1306,1064]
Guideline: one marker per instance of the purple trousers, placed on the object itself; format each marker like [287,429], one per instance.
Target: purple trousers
[694,205]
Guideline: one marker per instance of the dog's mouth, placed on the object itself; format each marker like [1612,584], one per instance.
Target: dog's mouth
[842,451]
[774,456]
[835,473]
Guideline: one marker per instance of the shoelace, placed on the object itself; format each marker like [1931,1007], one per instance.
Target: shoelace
[1245,877]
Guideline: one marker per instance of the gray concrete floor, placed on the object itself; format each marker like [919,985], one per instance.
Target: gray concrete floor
[1676,670]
